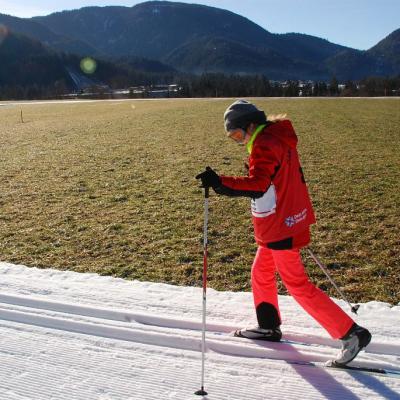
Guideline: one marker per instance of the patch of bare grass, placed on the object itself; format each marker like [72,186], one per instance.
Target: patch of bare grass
[109,188]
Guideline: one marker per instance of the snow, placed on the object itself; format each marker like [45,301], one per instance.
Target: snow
[66,335]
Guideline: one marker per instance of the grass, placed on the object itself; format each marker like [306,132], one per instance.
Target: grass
[109,188]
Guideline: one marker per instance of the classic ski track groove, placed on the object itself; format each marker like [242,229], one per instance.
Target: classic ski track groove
[174,323]
[34,313]
[33,390]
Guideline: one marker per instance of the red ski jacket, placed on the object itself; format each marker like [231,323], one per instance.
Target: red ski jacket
[281,207]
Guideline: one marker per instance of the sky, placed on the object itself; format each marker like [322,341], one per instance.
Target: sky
[359,24]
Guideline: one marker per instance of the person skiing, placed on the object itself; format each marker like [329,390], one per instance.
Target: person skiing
[282,214]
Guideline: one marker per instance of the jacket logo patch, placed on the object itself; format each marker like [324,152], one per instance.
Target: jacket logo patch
[295,219]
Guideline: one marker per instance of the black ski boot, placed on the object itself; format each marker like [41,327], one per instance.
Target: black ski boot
[257,333]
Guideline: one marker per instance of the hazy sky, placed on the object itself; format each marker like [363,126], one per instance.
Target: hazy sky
[355,23]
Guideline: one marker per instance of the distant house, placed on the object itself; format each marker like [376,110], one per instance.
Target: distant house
[155,91]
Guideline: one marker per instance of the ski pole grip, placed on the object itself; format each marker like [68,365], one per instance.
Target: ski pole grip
[206,192]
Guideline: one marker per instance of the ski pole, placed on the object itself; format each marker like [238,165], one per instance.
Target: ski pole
[202,392]
[354,308]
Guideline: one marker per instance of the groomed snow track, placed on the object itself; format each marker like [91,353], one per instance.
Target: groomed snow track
[69,350]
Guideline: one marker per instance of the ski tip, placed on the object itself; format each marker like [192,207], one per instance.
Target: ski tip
[330,363]
[370,370]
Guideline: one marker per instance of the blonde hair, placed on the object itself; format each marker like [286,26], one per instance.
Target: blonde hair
[276,117]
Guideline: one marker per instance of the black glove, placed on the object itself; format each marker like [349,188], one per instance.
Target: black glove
[209,178]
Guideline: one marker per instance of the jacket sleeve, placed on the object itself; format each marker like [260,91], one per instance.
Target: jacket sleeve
[263,165]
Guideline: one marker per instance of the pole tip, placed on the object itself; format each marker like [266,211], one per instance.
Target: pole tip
[201,392]
[355,308]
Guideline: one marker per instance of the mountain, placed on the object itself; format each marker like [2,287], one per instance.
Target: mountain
[356,64]
[25,62]
[35,30]
[387,51]
[144,65]
[32,67]
[183,36]
[218,55]
[38,31]
[153,29]
[163,36]
[381,60]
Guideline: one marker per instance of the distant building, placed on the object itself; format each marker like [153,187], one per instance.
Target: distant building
[155,91]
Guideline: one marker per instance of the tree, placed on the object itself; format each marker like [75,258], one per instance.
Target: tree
[334,86]
[350,89]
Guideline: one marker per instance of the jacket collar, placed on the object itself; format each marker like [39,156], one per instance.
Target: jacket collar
[253,137]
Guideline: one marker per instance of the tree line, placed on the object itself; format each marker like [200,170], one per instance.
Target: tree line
[211,85]
[219,85]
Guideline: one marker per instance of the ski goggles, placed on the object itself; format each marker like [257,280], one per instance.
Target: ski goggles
[237,134]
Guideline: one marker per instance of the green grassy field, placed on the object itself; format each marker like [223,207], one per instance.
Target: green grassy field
[109,188]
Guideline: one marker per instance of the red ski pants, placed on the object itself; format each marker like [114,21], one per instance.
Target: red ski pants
[291,269]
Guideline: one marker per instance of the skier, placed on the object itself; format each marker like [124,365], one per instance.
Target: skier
[282,214]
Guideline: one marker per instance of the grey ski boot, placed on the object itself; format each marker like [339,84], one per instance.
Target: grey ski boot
[354,341]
